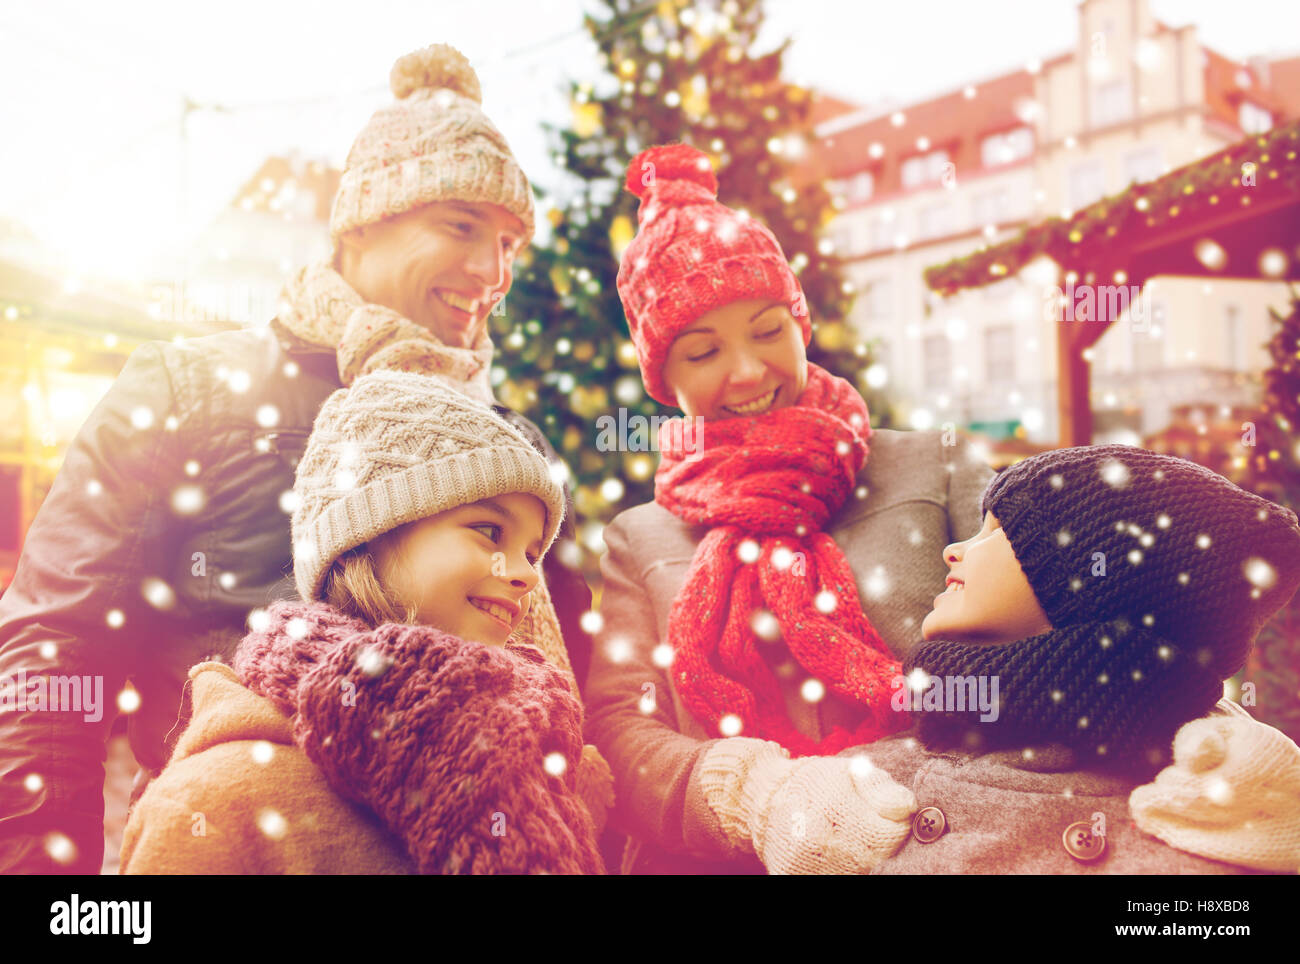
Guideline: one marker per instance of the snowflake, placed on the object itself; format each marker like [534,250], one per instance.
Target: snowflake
[748,551]
[297,628]
[1057,480]
[262,751]
[272,823]
[267,416]
[1162,521]
[33,782]
[158,593]
[1115,473]
[1259,573]
[813,690]
[128,701]
[1202,541]
[555,764]
[825,601]
[730,725]
[115,618]
[187,499]
[662,655]
[591,621]
[765,625]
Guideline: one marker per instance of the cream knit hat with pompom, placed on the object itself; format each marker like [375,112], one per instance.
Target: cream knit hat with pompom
[434,144]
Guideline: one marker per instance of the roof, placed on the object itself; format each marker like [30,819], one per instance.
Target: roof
[279,178]
[1208,189]
[951,121]
[959,123]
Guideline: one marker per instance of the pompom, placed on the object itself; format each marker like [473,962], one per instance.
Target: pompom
[672,162]
[440,65]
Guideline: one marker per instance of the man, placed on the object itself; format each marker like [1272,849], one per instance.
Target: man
[167,528]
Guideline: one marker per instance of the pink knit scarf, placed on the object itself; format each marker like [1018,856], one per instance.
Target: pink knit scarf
[452,744]
[767,486]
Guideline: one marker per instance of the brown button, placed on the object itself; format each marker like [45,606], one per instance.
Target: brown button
[929,824]
[1081,843]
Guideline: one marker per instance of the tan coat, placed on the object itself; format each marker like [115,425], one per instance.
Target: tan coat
[239,797]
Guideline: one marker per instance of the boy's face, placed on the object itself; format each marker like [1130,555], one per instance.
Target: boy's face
[742,359]
[986,598]
[443,265]
[469,570]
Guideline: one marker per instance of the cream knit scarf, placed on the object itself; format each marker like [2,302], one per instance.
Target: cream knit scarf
[320,307]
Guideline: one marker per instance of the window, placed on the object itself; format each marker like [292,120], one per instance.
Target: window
[855,189]
[1112,102]
[938,361]
[924,169]
[1144,165]
[935,221]
[999,355]
[1087,183]
[1254,120]
[1232,353]
[991,207]
[1006,147]
[1149,345]
[882,234]
[879,299]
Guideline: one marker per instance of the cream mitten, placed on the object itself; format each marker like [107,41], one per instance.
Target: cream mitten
[815,815]
[1232,794]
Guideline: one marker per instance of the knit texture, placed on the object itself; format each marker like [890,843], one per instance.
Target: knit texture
[1156,574]
[434,144]
[1113,691]
[690,256]
[1232,793]
[321,308]
[812,816]
[397,447]
[1110,531]
[465,752]
[766,487]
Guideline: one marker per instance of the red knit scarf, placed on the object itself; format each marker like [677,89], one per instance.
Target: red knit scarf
[767,485]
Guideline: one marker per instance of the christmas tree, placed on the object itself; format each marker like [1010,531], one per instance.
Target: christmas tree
[1274,473]
[673,71]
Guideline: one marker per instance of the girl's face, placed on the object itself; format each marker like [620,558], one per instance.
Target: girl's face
[987,598]
[469,570]
[742,359]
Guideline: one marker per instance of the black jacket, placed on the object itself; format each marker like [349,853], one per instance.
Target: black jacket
[167,524]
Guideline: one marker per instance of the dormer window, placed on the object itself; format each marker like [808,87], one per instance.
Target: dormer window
[1254,119]
[1007,146]
[924,168]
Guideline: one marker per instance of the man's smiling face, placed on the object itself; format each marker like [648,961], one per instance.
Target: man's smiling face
[443,265]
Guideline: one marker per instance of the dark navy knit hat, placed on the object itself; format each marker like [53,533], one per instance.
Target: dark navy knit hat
[1156,575]
[1116,532]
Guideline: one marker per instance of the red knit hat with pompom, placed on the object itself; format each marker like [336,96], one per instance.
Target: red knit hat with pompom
[690,256]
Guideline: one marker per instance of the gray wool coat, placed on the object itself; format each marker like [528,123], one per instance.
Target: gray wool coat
[1006,813]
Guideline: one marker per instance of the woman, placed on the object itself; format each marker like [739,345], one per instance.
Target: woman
[763,600]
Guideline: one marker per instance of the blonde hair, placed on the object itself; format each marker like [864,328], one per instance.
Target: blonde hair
[352,587]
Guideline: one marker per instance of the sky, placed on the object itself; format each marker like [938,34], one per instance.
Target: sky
[91,93]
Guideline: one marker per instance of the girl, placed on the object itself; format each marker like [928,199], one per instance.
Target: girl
[396,722]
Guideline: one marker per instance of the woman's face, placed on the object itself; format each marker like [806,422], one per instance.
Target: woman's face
[469,570]
[742,359]
[987,598]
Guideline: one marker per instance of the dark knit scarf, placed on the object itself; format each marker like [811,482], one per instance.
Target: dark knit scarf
[1113,692]
[774,481]
[445,740]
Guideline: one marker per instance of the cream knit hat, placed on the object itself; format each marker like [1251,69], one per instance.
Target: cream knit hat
[396,447]
[434,144]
